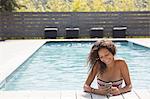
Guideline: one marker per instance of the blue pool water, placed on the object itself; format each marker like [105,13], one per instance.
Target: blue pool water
[61,66]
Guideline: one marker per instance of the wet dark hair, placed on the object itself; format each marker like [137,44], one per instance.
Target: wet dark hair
[93,57]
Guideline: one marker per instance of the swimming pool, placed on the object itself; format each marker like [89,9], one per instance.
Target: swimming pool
[61,66]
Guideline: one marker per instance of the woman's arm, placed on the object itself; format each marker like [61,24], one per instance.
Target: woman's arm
[126,77]
[91,76]
[90,79]
[125,74]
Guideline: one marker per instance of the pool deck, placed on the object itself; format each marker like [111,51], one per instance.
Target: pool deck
[134,94]
[14,52]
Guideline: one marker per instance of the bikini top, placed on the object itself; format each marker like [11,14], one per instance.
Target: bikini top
[117,83]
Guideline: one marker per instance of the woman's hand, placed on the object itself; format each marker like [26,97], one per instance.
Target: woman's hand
[103,91]
[87,88]
[115,91]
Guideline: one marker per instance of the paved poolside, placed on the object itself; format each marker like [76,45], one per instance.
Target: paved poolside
[14,52]
[134,94]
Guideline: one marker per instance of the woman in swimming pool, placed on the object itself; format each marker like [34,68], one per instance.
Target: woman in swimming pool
[110,72]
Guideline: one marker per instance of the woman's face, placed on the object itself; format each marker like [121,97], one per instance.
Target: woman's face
[105,56]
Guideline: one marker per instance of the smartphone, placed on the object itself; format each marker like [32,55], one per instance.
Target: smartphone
[108,85]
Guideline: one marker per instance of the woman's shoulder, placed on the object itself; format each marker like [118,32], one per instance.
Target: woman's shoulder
[120,61]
